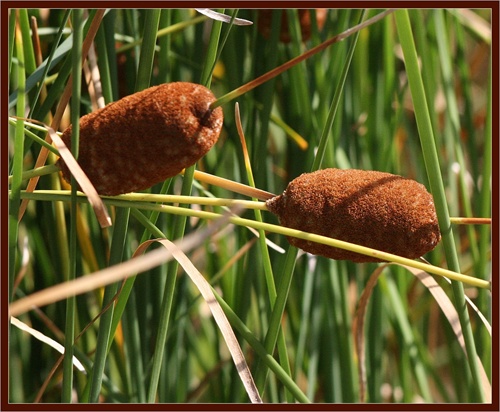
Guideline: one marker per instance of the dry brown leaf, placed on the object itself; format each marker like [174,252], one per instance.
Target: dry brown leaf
[82,179]
[112,274]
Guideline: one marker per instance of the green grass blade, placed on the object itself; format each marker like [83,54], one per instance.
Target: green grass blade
[178,232]
[116,255]
[120,231]
[69,332]
[318,160]
[145,69]
[17,161]
[436,184]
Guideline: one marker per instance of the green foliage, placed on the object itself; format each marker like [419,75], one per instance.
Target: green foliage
[355,105]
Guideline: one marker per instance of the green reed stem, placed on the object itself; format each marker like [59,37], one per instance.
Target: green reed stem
[122,217]
[69,329]
[437,188]
[178,232]
[17,162]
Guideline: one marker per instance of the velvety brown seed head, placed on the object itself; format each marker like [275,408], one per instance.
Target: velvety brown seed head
[374,209]
[147,137]
[266,16]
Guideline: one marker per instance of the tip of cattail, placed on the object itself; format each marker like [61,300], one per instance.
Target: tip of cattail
[147,137]
[373,209]
[265,18]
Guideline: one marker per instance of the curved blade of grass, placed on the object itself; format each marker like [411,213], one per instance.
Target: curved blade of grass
[410,351]
[113,273]
[141,264]
[436,184]
[441,299]
[45,339]
[219,316]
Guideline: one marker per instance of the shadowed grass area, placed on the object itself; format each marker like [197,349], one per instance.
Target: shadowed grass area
[408,95]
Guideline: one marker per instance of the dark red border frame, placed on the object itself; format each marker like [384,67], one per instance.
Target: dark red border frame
[6,5]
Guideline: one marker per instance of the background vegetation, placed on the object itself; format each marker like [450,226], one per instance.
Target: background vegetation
[167,348]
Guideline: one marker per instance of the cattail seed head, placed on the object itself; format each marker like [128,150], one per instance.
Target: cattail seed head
[266,16]
[145,138]
[373,209]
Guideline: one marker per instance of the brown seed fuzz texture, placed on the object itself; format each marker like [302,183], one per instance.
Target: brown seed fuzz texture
[145,138]
[374,209]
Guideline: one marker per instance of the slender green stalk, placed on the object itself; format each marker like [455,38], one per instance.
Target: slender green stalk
[17,163]
[182,211]
[165,43]
[116,255]
[29,55]
[122,217]
[318,160]
[437,188]
[213,46]
[484,298]
[287,273]
[69,331]
[12,31]
[148,49]
[178,232]
[63,73]
[104,64]
[268,271]
[262,351]
[410,345]
[34,105]
[454,121]
[166,304]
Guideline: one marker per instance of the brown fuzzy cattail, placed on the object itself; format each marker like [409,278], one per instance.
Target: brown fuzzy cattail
[265,18]
[144,138]
[374,209]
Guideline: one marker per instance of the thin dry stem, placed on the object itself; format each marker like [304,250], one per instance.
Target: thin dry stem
[232,186]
